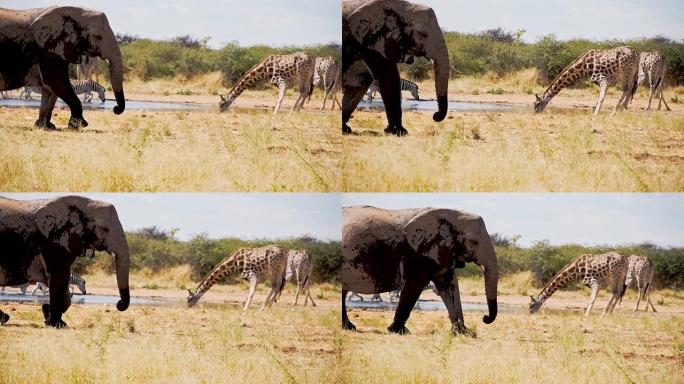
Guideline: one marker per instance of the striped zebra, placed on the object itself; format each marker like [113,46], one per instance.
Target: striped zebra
[404,84]
[74,279]
[85,87]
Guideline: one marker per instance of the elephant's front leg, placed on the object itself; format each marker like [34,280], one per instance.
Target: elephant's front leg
[387,74]
[55,75]
[447,287]
[346,323]
[47,105]
[4,317]
[416,278]
[59,299]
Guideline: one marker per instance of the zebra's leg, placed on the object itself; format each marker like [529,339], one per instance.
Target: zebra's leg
[282,86]
[603,86]
[55,76]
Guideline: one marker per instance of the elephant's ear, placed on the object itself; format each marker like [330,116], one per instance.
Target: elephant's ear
[431,234]
[58,31]
[62,224]
[376,26]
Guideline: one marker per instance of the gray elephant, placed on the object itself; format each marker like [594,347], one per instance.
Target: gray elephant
[37,46]
[384,250]
[59,229]
[378,34]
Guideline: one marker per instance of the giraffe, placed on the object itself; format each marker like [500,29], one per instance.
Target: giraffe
[617,66]
[300,264]
[326,71]
[652,67]
[640,268]
[253,264]
[284,72]
[87,68]
[596,272]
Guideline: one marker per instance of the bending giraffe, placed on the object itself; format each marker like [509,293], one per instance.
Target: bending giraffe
[652,68]
[255,265]
[326,72]
[299,266]
[640,270]
[617,66]
[596,272]
[284,72]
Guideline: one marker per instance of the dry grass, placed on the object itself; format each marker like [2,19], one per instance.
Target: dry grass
[172,345]
[560,150]
[243,150]
[517,348]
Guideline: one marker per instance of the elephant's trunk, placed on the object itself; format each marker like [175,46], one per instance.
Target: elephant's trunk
[113,56]
[436,50]
[491,278]
[122,262]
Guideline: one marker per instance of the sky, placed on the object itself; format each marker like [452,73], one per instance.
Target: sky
[272,22]
[566,19]
[561,218]
[243,215]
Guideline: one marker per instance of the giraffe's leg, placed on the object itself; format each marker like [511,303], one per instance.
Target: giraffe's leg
[603,86]
[281,94]
[299,289]
[662,98]
[639,295]
[325,96]
[252,289]
[650,94]
[624,97]
[592,299]
[308,294]
[648,298]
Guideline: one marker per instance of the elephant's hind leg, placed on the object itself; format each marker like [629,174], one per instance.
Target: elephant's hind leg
[47,105]
[4,317]
[59,292]
[346,324]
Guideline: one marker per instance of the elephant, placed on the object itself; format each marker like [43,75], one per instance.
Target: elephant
[60,230]
[37,46]
[384,250]
[376,36]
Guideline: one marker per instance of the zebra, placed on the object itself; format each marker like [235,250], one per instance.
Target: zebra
[394,295]
[6,94]
[87,87]
[74,279]
[404,84]
[79,86]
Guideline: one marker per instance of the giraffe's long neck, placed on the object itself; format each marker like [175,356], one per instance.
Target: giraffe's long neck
[572,72]
[220,272]
[260,71]
[571,272]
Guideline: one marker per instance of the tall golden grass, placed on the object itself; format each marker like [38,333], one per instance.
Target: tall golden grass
[148,151]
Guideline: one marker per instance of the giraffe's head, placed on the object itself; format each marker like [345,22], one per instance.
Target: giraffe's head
[540,104]
[192,299]
[535,304]
[225,103]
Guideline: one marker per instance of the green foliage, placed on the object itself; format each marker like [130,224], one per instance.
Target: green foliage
[419,70]
[157,249]
[502,52]
[189,57]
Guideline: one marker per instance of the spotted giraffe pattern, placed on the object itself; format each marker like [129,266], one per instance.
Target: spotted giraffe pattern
[652,68]
[640,270]
[284,72]
[300,263]
[606,68]
[326,71]
[255,265]
[596,272]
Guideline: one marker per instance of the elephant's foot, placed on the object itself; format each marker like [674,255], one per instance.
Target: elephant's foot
[347,325]
[460,329]
[399,131]
[400,329]
[77,123]
[4,318]
[44,124]
[345,129]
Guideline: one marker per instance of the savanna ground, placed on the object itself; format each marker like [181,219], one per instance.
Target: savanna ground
[563,149]
[246,149]
[215,342]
